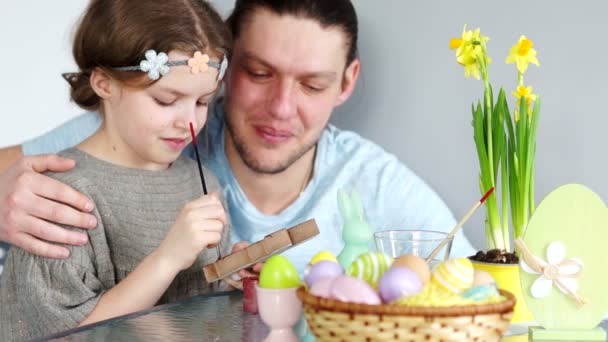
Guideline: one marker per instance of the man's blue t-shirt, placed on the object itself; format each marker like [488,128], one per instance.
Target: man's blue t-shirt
[393,196]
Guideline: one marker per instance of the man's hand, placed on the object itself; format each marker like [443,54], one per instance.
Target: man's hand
[236,280]
[28,200]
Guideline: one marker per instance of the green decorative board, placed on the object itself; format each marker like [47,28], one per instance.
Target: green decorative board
[568,236]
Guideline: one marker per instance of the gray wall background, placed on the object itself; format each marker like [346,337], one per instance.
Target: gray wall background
[412,97]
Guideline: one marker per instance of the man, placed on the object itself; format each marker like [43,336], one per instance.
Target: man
[268,141]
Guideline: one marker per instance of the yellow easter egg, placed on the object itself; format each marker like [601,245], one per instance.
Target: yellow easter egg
[454,275]
[323,255]
[370,267]
[416,264]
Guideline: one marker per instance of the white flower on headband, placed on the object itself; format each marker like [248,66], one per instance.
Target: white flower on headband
[223,68]
[557,270]
[155,65]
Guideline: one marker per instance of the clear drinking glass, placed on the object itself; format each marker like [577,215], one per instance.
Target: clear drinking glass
[417,242]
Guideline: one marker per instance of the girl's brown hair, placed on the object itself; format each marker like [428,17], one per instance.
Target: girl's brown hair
[115,33]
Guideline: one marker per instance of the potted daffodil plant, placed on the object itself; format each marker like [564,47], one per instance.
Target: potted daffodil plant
[506,147]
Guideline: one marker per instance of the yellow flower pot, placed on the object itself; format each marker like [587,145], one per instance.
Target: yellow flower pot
[507,278]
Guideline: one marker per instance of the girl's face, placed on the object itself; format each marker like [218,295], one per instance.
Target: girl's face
[148,128]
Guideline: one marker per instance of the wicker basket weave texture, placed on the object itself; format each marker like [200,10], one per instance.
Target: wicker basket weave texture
[331,320]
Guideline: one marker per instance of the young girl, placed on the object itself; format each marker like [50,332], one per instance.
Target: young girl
[150,68]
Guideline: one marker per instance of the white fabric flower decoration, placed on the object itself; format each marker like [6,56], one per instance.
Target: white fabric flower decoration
[223,67]
[155,65]
[556,270]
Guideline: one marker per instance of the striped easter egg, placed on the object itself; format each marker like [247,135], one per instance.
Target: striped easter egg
[370,267]
[322,255]
[454,275]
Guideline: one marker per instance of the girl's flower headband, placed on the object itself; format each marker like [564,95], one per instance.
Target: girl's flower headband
[157,65]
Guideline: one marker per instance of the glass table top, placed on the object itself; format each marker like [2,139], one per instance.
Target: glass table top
[219,317]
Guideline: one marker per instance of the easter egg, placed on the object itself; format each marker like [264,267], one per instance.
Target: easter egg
[431,295]
[323,255]
[370,267]
[416,264]
[454,275]
[354,290]
[481,293]
[323,269]
[482,278]
[322,287]
[398,282]
[278,273]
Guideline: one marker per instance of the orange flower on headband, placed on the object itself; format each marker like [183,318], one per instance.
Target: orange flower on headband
[198,63]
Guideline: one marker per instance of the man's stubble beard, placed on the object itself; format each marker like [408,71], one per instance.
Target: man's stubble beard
[248,157]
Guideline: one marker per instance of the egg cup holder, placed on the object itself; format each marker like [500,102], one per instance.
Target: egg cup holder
[333,320]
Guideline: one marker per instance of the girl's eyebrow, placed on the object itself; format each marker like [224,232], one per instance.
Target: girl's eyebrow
[180,94]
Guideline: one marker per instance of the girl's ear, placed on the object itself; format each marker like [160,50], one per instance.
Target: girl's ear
[101,83]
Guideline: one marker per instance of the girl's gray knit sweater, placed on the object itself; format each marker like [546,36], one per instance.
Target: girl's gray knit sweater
[135,209]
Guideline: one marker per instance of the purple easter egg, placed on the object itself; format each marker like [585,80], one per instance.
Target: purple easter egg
[322,287]
[398,282]
[354,290]
[323,269]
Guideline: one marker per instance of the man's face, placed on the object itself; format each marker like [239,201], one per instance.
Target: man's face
[286,77]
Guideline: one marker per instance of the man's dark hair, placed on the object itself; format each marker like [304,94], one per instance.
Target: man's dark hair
[328,13]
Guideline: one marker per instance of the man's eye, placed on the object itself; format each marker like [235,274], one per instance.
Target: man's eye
[258,74]
[313,89]
[163,103]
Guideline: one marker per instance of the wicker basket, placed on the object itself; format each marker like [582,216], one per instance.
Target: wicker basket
[332,320]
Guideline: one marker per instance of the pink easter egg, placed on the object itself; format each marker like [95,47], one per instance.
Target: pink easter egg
[398,282]
[481,278]
[323,269]
[354,290]
[322,287]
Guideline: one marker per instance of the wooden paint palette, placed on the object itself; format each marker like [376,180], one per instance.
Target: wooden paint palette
[259,251]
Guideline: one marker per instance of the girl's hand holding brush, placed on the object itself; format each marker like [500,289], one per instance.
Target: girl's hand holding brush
[198,226]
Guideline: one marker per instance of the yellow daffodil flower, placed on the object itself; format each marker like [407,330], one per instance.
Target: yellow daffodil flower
[522,54]
[502,146]
[525,92]
[470,65]
[470,48]
[455,43]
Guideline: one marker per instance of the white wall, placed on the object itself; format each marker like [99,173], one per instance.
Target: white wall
[35,48]
[412,99]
